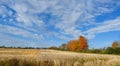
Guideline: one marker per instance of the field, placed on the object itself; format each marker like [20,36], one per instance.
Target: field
[40,57]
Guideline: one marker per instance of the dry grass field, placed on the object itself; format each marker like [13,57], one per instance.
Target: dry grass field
[36,57]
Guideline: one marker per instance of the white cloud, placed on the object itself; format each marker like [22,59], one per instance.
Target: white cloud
[6,40]
[70,15]
[107,26]
[19,32]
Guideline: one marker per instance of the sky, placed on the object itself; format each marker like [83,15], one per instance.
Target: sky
[45,23]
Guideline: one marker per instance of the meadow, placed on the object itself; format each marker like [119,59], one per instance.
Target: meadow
[44,57]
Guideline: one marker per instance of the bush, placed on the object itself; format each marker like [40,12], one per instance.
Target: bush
[110,50]
[54,47]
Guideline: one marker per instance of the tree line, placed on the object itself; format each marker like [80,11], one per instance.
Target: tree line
[13,47]
[81,45]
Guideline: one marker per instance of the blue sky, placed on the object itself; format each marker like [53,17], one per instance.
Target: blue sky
[44,23]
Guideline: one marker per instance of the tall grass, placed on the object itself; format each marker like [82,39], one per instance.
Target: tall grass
[28,57]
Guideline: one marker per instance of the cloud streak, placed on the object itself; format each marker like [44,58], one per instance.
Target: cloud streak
[58,19]
[107,26]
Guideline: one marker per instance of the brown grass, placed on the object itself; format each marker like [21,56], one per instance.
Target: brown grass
[35,57]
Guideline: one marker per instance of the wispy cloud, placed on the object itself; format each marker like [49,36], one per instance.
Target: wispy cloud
[110,25]
[61,19]
[20,32]
[6,40]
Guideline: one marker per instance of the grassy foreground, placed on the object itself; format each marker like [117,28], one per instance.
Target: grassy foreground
[35,57]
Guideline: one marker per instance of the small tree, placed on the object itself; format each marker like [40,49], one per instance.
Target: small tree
[63,47]
[115,44]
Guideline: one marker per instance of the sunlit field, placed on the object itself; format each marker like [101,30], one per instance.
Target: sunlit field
[39,57]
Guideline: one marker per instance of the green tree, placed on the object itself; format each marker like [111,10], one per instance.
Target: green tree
[63,47]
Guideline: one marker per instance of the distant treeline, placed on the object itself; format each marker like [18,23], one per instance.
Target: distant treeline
[23,47]
[81,45]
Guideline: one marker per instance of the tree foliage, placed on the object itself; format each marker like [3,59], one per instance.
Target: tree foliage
[115,44]
[78,45]
[73,45]
[83,44]
[63,47]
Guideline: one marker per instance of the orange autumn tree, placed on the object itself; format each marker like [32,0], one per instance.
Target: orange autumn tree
[83,44]
[78,45]
[72,45]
